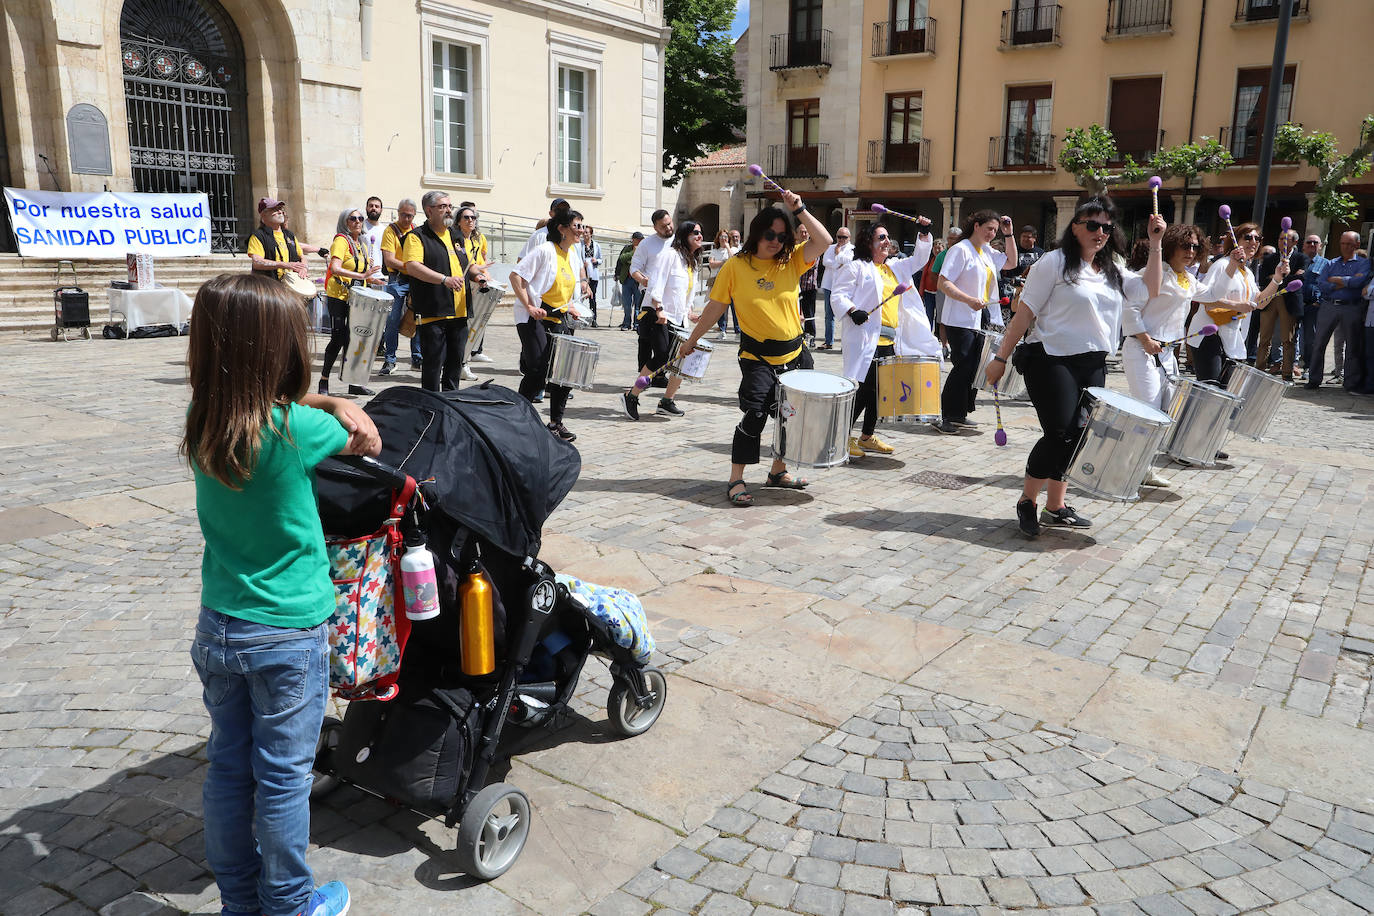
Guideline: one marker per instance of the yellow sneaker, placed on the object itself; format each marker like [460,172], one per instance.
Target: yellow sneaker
[871,444]
[854,450]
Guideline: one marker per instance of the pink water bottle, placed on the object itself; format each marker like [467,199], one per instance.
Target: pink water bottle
[418,582]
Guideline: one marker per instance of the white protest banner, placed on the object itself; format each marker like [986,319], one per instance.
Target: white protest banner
[108,224]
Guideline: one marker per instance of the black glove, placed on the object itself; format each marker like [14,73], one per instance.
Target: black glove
[858,316]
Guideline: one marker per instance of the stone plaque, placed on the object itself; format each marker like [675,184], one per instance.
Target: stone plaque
[88,138]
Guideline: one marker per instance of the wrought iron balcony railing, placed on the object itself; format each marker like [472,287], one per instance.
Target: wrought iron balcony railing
[892,38]
[1268,10]
[1021,152]
[1139,17]
[1244,145]
[1032,24]
[793,50]
[886,158]
[786,161]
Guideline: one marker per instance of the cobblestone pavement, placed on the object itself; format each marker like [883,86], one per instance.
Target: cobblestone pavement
[883,700]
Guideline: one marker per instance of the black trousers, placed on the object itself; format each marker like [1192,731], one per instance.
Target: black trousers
[806,300]
[758,399]
[866,398]
[965,349]
[444,344]
[536,353]
[1055,385]
[654,341]
[1208,359]
[338,333]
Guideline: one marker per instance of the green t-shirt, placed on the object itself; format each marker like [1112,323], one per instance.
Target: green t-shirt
[264,547]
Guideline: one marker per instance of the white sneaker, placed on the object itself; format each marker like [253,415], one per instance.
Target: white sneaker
[1153,479]
[468,375]
[480,358]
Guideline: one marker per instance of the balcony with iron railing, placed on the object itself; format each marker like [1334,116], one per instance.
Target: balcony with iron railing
[1250,12]
[886,158]
[797,50]
[1029,26]
[1132,18]
[895,39]
[787,161]
[1244,145]
[1140,145]
[1021,152]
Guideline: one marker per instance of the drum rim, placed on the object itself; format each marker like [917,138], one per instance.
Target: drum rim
[850,385]
[1158,415]
[1197,384]
[908,360]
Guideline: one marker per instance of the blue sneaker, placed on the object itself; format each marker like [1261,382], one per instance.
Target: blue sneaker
[328,900]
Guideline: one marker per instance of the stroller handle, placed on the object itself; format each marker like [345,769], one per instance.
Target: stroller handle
[373,468]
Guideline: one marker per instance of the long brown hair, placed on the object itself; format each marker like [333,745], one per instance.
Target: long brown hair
[248,353]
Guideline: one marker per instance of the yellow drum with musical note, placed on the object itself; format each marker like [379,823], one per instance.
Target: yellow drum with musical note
[909,389]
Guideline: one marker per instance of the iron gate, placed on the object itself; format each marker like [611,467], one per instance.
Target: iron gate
[185,101]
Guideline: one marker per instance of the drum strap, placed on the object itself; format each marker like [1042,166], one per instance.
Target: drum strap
[766,348]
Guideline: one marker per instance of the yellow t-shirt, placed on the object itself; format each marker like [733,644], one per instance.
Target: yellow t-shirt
[353,257]
[764,294]
[255,248]
[391,241]
[560,294]
[891,304]
[476,246]
[415,251]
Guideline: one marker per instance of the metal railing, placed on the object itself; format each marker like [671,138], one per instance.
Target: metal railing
[898,158]
[1030,25]
[1139,17]
[791,50]
[1021,152]
[1244,144]
[786,161]
[893,38]
[1268,10]
[1140,145]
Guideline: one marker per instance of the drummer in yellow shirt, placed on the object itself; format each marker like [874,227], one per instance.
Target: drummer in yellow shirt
[762,282]
[438,265]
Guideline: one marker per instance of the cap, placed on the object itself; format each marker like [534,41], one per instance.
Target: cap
[269,203]
[636,236]
[559,204]
[1030,229]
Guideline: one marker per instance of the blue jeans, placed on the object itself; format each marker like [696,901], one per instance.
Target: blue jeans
[265,688]
[629,298]
[391,338]
[829,320]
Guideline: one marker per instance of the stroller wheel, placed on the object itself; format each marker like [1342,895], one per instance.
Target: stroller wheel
[626,715]
[325,781]
[493,831]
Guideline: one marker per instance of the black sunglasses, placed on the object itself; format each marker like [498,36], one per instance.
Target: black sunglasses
[1251,237]
[769,235]
[1094,226]
[1190,246]
[355,218]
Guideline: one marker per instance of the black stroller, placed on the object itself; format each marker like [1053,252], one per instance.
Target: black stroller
[489,475]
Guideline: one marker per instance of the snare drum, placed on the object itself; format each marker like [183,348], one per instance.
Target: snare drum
[909,388]
[1202,416]
[1260,394]
[815,412]
[691,368]
[481,306]
[1120,440]
[368,310]
[573,364]
[1013,384]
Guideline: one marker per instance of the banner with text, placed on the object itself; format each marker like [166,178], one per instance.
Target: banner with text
[108,224]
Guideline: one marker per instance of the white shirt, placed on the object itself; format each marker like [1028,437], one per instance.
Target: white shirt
[537,238]
[671,285]
[1218,286]
[1071,318]
[373,233]
[539,270]
[835,257]
[969,270]
[1162,316]
[648,250]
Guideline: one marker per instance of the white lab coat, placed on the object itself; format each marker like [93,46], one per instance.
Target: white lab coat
[859,285]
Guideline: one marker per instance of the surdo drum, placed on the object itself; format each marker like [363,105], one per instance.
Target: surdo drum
[1119,441]
[367,313]
[691,368]
[909,388]
[815,411]
[1013,384]
[1202,418]
[573,364]
[1260,394]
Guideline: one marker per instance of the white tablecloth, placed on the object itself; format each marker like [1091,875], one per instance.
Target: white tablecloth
[140,308]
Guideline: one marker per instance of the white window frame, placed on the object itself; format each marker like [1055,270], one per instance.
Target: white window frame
[440,145]
[577,53]
[455,25]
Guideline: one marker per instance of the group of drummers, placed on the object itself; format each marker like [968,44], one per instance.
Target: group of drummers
[1077,304]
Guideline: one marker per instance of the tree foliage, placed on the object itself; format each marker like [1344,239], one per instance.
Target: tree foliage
[701,96]
[1318,149]
[1090,156]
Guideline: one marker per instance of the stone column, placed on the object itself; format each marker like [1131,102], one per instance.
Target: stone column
[952,207]
[1315,224]
[850,205]
[1064,205]
[1185,211]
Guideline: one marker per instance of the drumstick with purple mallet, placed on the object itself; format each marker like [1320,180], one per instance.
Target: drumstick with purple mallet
[918,220]
[897,291]
[1155,182]
[757,171]
[1224,211]
[1000,437]
[1285,225]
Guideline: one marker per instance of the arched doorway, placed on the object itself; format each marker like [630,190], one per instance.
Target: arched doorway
[185,99]
[708,217]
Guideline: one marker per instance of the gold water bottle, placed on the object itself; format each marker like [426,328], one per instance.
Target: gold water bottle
[477,626]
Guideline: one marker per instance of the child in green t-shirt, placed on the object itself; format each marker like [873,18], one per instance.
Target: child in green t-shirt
[253,438]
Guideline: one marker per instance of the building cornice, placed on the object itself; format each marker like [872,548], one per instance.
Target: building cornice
[594,16]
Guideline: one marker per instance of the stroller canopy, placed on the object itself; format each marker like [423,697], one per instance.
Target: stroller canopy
[482,457]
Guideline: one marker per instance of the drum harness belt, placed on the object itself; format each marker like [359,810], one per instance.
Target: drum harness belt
[765,348]
[268,240]
[397,275]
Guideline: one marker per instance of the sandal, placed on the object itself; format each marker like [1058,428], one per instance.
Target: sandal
[740,499]
[794,483]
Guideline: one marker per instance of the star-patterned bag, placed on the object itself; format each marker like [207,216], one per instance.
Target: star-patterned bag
[368,631]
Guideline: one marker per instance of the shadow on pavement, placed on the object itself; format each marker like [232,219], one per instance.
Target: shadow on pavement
[988,532]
